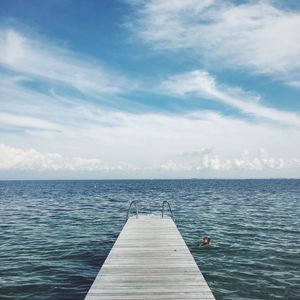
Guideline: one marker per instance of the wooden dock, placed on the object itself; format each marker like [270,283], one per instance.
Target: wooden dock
[149,260]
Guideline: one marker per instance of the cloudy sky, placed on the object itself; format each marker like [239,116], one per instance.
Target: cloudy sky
[149,89]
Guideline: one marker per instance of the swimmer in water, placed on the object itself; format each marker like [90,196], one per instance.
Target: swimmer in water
[205,241]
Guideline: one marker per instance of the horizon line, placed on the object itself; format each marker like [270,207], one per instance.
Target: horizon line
[149,179]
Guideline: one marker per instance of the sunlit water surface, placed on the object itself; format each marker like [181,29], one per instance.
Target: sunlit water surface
[55,235]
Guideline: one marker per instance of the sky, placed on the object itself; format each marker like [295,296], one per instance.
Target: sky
[134,89]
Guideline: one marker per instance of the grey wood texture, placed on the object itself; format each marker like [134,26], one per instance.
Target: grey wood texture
[149,260]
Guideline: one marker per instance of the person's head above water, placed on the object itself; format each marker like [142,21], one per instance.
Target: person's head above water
[205,241]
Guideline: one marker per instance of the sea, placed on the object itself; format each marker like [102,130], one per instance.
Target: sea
[55,235]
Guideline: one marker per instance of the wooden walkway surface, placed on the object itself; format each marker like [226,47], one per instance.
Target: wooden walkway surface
[149,260]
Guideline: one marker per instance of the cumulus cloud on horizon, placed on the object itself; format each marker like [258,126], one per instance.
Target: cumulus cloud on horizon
[16,159]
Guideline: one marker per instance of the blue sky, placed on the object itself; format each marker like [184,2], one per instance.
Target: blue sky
[149,89]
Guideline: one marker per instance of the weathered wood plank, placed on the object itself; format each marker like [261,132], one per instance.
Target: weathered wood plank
[149,260]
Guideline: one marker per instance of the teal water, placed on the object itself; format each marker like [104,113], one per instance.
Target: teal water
[55,235]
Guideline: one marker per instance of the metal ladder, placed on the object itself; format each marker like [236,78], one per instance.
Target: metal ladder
[136,204]
[170,209]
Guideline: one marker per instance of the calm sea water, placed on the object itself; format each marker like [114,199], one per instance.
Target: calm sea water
[55,235]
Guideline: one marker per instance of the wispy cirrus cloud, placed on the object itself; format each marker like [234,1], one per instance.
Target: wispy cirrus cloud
[26,122]
[203,85]
[60,130]
[39,59]
[29,109]
[254,35]
[76,128]
[70,134]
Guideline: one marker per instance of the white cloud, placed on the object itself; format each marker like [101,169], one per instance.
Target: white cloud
[73,135]
[17,159]
[245,162]
[14,120]
[28,109]
[256,35]
[202,84]
[77,130]
[41,60]
[146,143]
[14,159]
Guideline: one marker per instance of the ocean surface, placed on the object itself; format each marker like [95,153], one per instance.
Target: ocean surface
[55,235]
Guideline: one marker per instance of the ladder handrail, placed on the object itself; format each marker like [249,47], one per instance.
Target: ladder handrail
[135,202]
[163,210]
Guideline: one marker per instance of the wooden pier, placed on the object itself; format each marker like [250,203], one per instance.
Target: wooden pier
[149,260]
